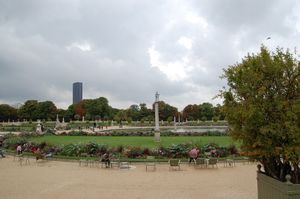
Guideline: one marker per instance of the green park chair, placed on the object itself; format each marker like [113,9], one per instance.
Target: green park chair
[174,164]
[150,163]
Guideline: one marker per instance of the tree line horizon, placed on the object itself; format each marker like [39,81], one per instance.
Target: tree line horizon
[99,109]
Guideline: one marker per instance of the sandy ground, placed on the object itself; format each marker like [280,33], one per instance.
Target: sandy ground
[54,179]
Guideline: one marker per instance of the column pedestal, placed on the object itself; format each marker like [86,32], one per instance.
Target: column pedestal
[157,136]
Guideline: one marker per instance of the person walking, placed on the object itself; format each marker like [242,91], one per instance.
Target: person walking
[193,154]
[19,149]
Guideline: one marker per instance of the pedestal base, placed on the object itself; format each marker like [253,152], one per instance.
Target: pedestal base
[157,137]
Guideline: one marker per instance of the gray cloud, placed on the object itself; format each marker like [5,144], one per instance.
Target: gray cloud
[48,45]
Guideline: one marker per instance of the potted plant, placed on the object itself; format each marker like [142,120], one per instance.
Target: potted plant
[262,107]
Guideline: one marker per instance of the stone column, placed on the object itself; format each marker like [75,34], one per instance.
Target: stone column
[156,112]
[174,122]
[157,133]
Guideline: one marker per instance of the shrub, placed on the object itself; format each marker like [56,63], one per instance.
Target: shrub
[179,150]
[134,152]
[49,131]
[232,150]
[77,133]
[13,141]
[71,150]
[92,148]
[147,152]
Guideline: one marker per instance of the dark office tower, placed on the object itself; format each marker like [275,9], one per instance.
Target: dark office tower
[77,92]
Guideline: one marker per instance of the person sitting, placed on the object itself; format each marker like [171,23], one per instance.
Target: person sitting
[2,153]
[105,158]
[193,154]
[38,154]
[48,155]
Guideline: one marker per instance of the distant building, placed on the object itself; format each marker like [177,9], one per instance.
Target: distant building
[77,92]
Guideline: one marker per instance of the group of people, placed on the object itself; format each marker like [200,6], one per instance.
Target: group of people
[35,150]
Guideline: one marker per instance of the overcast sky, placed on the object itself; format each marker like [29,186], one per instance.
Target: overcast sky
[126,50]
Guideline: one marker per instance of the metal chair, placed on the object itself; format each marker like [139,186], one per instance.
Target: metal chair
[200,162]
[150,163]
[213,162]
[174,163]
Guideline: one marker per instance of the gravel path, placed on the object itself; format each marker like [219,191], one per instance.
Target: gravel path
[55,179]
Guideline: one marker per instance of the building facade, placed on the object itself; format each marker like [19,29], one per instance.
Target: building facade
[77,92]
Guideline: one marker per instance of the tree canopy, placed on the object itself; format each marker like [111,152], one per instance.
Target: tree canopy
[262,107]
[7,113]
[32,109]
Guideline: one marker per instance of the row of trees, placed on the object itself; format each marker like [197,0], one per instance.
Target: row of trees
[31,110]
[95,109]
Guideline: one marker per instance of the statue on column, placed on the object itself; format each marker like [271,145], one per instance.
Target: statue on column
[39,127]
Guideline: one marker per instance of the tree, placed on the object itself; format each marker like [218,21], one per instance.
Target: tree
[121,116]
[79,110]
[262,107]
[191,112]
[144,111]
[218,112]
[32,109]
[134,112]
[7,113]
[207,111]
[63,114]
[70,112]
[99,108]
[46,110]
[165,110]
[29,110]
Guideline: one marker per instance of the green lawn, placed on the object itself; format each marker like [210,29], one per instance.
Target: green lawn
[141,141]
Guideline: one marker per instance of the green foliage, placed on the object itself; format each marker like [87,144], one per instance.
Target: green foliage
[32,109]
[94,148]
[179,150]
[134,152]
[97,108]
[121,116]
[166,110]
[77,133]
[201,111]
[12,142]
[207,111]
[29,110]
[215,118]
[7,113]
[46,110]
[72,150]
[262,106]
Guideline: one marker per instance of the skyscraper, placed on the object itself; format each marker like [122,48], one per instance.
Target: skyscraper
[77,92]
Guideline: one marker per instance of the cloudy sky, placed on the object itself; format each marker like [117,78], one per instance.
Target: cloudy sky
[126,50]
